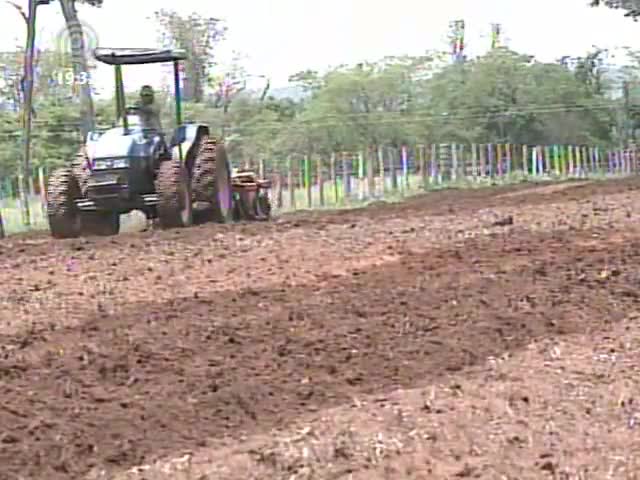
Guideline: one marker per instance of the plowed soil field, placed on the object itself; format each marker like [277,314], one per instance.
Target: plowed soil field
[461,334]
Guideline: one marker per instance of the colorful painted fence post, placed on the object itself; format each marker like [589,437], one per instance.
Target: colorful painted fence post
[434,162]
[381,170]
[405,167]
[474,162]
[346,178]
[534,161]
[421,151]
[290,183]
[548,168]
[578,161]
[307,181]
[392,169]
[454,162]
[320,174]
[490,159]
[371,179]
[334,178]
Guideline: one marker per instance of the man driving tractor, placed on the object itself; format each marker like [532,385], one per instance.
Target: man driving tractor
[149,114]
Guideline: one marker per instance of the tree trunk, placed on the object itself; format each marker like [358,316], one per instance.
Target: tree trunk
[80,63]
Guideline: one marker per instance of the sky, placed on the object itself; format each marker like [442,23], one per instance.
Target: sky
[280,37]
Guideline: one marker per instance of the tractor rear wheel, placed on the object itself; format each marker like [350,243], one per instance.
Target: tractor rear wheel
[63,213]
[212,181]
[100,223]
[175,203]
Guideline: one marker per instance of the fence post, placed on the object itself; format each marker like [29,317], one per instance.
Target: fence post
[371,179]
[301,173]
[483,161]
[346,178]
[499,159]
[380,154]
[405,166]
[628,156]
[291,184]
[506,165]
[320,181]
[531,167]
[392,169]
[443,158]
[361,170]
[454,162]
[280,181]
[421,151]
[434,162]
[570,160]
[474,161]
[334,179]
[2,231]
[579,160]
[308,181]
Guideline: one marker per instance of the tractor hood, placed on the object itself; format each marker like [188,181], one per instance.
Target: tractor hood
[115,143]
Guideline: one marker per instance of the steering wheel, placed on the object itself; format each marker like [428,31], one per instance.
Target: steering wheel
[132,110]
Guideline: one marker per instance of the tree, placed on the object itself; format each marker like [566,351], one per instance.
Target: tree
[631,7]
[79,61]
[198,36]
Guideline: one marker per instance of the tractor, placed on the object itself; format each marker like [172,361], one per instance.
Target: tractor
[177,182]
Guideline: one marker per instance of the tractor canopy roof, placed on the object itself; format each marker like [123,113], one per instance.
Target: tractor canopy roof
[137,56]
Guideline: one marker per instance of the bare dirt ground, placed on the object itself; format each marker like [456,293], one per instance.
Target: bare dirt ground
[461,334]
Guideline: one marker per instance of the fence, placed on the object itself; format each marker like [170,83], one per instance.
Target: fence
[389,172]
[386,172]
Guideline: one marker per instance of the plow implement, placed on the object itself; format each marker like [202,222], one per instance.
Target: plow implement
[251,196]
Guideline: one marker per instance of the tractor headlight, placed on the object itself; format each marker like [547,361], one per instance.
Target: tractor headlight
[108,163]
[121,163]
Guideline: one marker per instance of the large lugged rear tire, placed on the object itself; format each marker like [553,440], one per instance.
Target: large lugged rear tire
[212,181]
[175,202]
[62,211]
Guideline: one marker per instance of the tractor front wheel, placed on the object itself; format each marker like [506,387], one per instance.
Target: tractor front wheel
[63,213]
[175,203]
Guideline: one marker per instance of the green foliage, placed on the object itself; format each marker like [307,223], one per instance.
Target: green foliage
[503,96]
[198,36]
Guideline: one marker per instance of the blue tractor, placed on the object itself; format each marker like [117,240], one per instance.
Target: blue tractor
[175,181]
